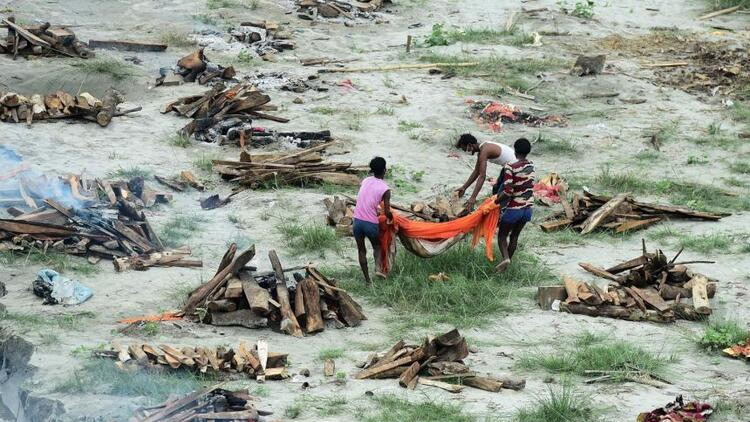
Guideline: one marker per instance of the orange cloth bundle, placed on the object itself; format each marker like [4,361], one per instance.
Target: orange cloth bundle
[482,222]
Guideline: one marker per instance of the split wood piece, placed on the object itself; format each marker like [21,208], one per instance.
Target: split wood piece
[451,388]
[633,225]
[329,368]
[719,12]
[240,317]
[396,67]
[177,406]
[408,378]
[546,295]
[630,264]
[233,288]
[172,183]
[111,99]
[126,45]
[641,304]
[569,213]
[554,225]
[571,288]
[191,180]
[173,258]
[378,369]
[200,294]
[313,315]
[484,383]
[289,323]
[602,213]
[670,292]
[700,295]
[257,297]
[651,296]
[598,271]
[349,309]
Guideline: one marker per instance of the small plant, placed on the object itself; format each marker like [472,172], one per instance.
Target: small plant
[417,175]
[330,354]
[115,68]
[324,110]
[384,110]
[293,411]
[341,375]
[178,140]
[204,163]
[178,229]
[129,173]
[407,125]
[438,36]
[356,120]
[309,237]
[177,39]
[693,160]
[714,128]
[741,167]
[722,333]
[150,329]
[561,404]
[582,9]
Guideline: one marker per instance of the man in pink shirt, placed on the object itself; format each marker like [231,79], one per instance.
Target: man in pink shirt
[372,191]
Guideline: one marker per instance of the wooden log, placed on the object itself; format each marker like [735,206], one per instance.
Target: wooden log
[349,311]
[546,295]
[329,368]
[451,388]
[700,295]
[289,323]
[633,225]
[240,317]
[651,296]
[314,318]
[299,302]
[671,292]
[554,225]
[234,288]
[484,383]
[719,13]
[408,377]
[276,373]
[511,382]
[199,294]
[126,45]
[111,98]
[598,271]
[221,305]
[372,372]
[571,288]
[602,213]
[257,297]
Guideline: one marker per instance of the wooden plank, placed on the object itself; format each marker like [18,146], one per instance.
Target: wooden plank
[602,213]
[633,225]
[700,295]
[484,383]
[314,319]
[256,296]
[451,388]
[629,264]
[289,323]
[598,271]
[200,294]
[408,377]
[375,370]
[234,288]
[126,45]
[26,34]
[651,296]
[569,214]
[349,310]
[329,368]
[571,288]
[240,317]
[29,227]
[546,295]
[719,13]
[641,304]
[299,302]
[554,225]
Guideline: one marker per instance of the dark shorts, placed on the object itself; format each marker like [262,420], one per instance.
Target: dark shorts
[515,216]
[366,229]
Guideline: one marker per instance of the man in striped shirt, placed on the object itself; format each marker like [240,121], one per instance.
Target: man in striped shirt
[518,192]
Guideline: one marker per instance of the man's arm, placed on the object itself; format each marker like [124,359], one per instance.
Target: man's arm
[481,171]
[472,177]
[387,205]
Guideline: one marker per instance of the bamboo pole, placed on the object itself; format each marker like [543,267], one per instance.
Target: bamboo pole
[397,67]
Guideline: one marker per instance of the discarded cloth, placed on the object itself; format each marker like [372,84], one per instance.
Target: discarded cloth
[678,411]
[166,316]
[547,190]
[482,223]
[739,350]
[55,289]
[495,114]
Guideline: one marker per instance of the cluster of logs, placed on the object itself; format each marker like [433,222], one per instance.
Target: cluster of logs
[255,361]
[209,404]
[41,39]
[210,110]
[621,213]
[297,168]
[15,108]
[237,295]
[68,217]
[264,37]
[437,362]
[194,67]
[311,9]
[653,289]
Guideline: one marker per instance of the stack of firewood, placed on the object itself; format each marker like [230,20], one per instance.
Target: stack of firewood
[67,216]
[264,37]
[297,168]
[256,361]
[621,213]
[653,289]
[195,67]
[219,109]
[437,362]
[310,9]
[41,39]
[15,108]
[209,404]
[237,295]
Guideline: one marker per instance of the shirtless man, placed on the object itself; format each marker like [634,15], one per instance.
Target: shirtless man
[493,152]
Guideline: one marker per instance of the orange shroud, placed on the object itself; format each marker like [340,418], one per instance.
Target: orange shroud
[166,316]
[482,222]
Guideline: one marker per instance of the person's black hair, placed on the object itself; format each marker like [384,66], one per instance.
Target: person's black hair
[522,146]
[377,166]
[466,139]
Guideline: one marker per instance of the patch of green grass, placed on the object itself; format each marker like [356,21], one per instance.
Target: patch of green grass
[355,120]
[309,237]
[664,132]
[559,404]
[331,353]
[110,66]
[720,333]
[581,8]
[402,180]
[724,4]
[385,110]
[740,111]
[33,322]
[694,160]
[393,408]
[225,4]
[595,353]
[491,36]
[293,411]
[437,37]
[101,376]
[261,391]
[324,110]
[735,182]
[58,261]
[548,145]
[129,173]
[176,231]
[177,39]
[389,83]
[474,293]
[703,243]
[701,197]
[740,167]
[407,125]
[730,408]
[648,155]
[177,140]
[204,163]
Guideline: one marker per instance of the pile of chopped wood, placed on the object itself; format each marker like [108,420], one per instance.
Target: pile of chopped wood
[217,111]
[494,115]
[297,168]
[621,213]
[15,108]
[264,37]
[256,361]
[67,216]
[237,295]
[209,404]
[437,362]
[41,39]
[652,290]
[194,67]
[311,9]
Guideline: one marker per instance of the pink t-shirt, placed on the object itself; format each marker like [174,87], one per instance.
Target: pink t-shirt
[370,194]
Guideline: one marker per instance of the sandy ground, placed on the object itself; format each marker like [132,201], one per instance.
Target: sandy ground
[438,104]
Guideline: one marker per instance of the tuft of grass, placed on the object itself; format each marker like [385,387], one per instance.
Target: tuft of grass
[722,333]
[407,125]
[177,140]
[58,261]
[110,66]
[324,110]
[355,120]
[581,8]
[129,173]
[309,237]
[740,167]
[546,145]
[101,376]
[663,132]
[204,163]
[723,4]
[177,39]
[703,243]
[293,411]
[389,83]
[33,322]
[228,4]
[332,353]
[180,228]
[595,353]
[384,110]
[561,404]
[474,293]
[393,408]
[206,19]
